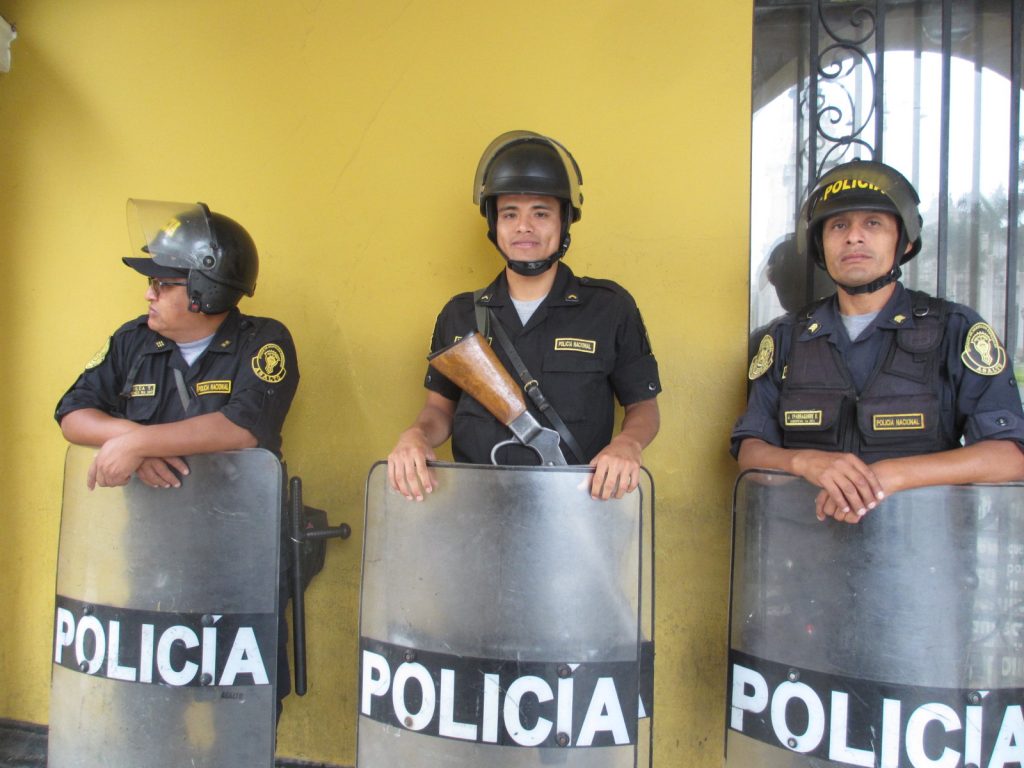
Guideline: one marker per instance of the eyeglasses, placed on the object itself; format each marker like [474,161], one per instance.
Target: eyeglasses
[157,284]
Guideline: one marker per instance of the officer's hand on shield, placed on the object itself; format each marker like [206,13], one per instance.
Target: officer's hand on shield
[616,469]
[408,472]
[162,473]
[850,485]
[115,463]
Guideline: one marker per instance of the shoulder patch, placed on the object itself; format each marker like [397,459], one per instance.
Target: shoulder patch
[982,351]
[763,359]
[99,357]
[269,363]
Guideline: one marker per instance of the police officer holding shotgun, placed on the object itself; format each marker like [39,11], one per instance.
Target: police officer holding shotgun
[576,344]
[870,391]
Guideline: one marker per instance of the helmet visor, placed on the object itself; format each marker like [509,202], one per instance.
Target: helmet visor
[169,235]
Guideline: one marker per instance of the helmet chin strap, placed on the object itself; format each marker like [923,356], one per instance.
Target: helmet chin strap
[892,276]
[530,268]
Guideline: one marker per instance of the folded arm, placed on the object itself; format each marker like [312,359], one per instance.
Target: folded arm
[850,488]
[153,451]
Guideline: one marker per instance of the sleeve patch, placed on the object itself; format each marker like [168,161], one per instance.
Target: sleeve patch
[99,357]
[982,351]
[762,361]
[268,364]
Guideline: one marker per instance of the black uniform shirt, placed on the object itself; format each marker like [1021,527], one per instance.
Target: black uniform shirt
[249,373]
[585,344]
[974,405]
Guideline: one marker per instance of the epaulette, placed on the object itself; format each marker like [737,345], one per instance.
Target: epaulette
[609,285]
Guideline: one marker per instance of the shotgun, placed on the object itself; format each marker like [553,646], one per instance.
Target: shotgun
[471,364]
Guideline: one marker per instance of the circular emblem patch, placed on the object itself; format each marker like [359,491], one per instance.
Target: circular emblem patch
[982,351]
[763,359]
[99,357]
[268,364]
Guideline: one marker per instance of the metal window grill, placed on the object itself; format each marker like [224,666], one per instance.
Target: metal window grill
[931,87]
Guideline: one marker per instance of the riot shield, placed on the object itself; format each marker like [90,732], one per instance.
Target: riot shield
[165,631]
[894,642]
[502,621]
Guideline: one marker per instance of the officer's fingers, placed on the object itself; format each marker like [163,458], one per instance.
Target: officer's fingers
[424,476]
[629,479]
[597,483]
[864,476]
[838,491]
[819,504]
[90,478]
[396,477]
[855,493]
[158,473]
[178,464]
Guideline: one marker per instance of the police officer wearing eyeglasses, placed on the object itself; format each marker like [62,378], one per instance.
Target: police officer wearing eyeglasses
[871,391]
[192,375]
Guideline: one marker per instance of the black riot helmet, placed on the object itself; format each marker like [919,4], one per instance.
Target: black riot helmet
[862,185]
[527,163]
[214,252]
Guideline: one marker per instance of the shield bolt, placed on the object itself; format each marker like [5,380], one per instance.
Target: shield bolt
[791,742]
[793,675]
[207,620]
[562,739]
[206,679]
[410,655]
[87,610]
[973,698]
[564,671]
[83,666]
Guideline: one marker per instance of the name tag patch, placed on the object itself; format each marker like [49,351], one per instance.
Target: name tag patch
[576,345]
[889,422]
[143,390]
[214,387]
[803,418]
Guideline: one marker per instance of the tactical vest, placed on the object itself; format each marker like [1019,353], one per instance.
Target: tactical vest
[899,411]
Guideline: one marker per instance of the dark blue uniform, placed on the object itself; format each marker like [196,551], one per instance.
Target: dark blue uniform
[585,344]
[907,390]
[248,373]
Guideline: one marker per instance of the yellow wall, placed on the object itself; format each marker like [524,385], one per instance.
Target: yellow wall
[344,136]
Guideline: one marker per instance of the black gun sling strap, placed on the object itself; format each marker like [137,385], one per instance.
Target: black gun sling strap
[532,388]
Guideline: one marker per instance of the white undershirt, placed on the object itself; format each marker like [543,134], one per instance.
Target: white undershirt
[855,324]
[191,350]
[526,308]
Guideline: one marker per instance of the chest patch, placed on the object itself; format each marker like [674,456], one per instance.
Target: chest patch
[982,351]
[763,359]
[803,418]
[269,363]
[576,345]
[892,422]
[143,390]
[221,387]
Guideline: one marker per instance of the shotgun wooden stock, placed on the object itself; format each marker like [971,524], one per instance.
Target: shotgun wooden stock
[471,364]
